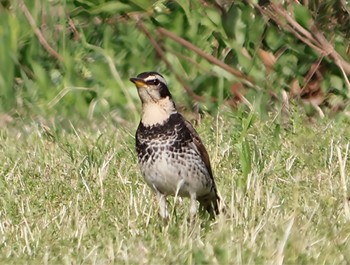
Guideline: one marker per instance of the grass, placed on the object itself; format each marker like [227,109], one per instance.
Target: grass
[74,195]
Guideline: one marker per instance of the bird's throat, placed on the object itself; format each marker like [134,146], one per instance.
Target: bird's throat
[155,113]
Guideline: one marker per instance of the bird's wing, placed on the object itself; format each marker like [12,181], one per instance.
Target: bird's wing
[209,204]
[200,147]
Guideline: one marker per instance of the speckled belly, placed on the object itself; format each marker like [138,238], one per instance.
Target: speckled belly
[169,171]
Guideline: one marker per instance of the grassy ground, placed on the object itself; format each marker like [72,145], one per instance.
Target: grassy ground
[75,196]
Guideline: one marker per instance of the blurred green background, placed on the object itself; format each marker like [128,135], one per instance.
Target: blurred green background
[97,45]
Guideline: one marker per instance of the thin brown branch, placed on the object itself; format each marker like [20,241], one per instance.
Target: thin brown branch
[317,37]
[73,29]
[314,39]
[339,61]
[272,15]
[161,54]
[311,73]
[190,60]
[283,13]
[208,57]
[38,33]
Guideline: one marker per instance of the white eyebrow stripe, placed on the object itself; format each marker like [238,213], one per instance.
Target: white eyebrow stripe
[152,77]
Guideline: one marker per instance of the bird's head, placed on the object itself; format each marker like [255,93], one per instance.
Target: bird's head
[151,87]
[157,102]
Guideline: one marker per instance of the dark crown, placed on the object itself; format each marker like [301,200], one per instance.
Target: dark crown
[144,75]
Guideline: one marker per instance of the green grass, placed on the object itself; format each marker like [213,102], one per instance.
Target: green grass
[75,196]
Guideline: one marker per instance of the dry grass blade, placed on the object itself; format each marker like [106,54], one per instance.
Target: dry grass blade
[343,178]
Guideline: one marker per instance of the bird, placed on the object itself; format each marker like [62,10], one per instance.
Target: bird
[171,155]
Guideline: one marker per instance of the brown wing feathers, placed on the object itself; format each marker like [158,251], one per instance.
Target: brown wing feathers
[209,203]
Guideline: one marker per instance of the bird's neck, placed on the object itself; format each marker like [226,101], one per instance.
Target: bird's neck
[157,113]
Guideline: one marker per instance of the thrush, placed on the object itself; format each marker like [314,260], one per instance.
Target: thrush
[171,155]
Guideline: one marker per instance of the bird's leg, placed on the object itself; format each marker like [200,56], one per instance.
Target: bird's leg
[193,207]
[162,206]
[163,212]
[179,186]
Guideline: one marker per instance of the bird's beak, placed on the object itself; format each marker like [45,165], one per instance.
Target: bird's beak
[138,81]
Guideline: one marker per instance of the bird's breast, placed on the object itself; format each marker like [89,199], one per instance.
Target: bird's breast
[167,157]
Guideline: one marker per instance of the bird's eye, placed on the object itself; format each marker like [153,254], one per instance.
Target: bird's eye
[155,82]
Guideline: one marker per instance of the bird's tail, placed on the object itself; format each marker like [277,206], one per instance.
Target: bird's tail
[213,204]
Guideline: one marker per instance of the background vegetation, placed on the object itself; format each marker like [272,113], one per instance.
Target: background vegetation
[260,74]
[59,57]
